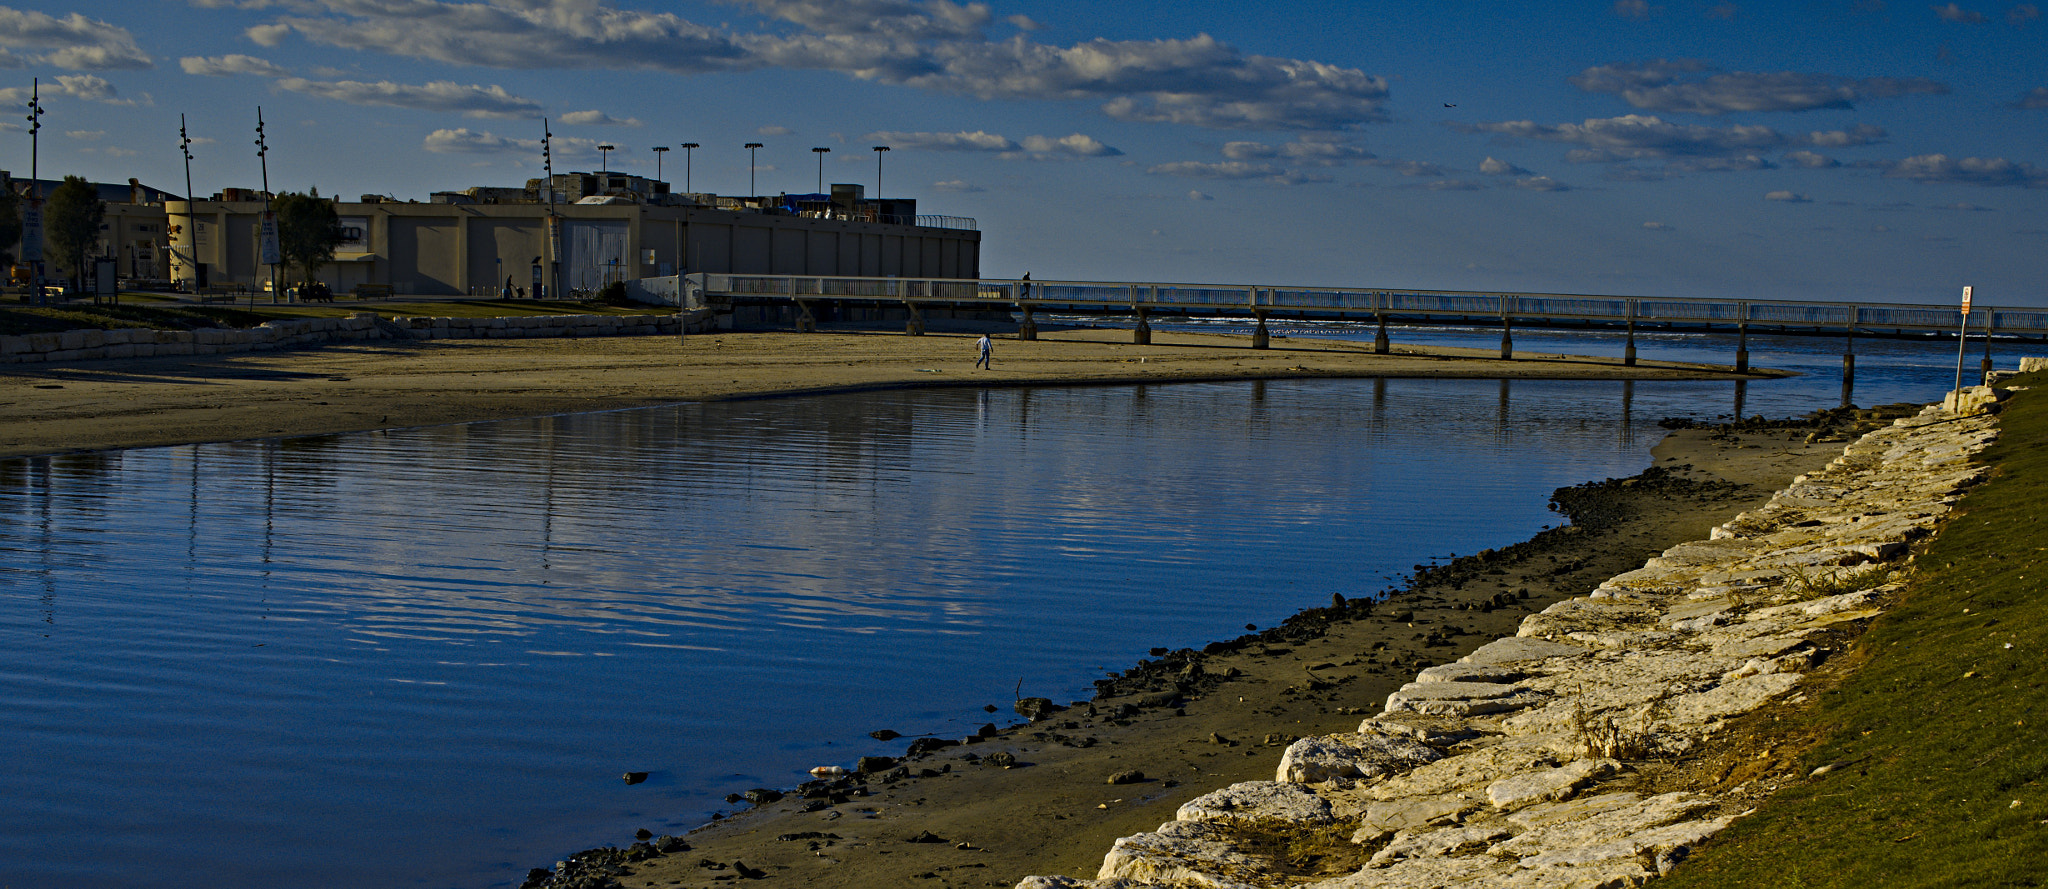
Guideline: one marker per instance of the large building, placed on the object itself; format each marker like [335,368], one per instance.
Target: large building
[133,232]
[605,227]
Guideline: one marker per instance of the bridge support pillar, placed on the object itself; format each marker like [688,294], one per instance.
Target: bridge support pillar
[1027,329]
[1628,351]
[915,326]
[1741,350]
[1142,334]
[1849,369]
[1260,338]
[1507,339]
[805,321]
[1380,346]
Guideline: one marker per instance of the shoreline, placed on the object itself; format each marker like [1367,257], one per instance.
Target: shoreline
[119,404]
[1191,721]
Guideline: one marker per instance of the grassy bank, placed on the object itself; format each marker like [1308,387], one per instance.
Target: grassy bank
[166,313]
[1936,744]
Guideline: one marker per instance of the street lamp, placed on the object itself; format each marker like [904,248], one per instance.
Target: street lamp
[604,157]
[821,152]
[191,215]
[659,150]
[35,178]
[688,148]
[879,151]
[750,146]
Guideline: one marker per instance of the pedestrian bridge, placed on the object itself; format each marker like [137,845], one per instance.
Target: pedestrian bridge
[1140,302]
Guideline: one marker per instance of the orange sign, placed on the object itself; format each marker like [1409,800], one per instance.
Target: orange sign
[1966,300]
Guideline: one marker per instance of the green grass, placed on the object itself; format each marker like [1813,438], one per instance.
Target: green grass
[1942,727]
[168,313]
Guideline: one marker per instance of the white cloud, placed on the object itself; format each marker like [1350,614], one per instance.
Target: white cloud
[1540,183]
[1787,197]
[1197,195]
[1495,167]
[222,66]
[956,186]
[1811,160]
[2036,99]
[267,35]
[597,119]
[444,96]
[1658,227]
[1632,9]
[88,87]
[774,130]
[962,141]
[1682,148]
[74,41]
[1235,170]
[1955,13]
[463,140]
[1674,86]
[1074,145]
[1986,171]
[937,46]
[1452,185]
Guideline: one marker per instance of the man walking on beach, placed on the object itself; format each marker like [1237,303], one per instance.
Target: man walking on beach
[985,346]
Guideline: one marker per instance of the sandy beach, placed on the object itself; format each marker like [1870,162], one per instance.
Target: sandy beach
[149,402]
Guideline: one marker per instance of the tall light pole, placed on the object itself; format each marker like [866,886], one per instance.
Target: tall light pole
[191,213]
[688,149]
[751,191]
[879,151]
[35,179]
[269,240]
[821,167]
[547,162]
[604,155]
[659,150]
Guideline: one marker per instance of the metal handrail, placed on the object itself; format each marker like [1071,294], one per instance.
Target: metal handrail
[1263,300]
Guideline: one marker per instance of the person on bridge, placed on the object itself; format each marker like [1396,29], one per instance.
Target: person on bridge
[986,346]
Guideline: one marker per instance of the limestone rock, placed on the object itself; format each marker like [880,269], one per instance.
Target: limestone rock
[1443,841]
[1521,791]
[1256,801]
[1352,756]
[1181,853]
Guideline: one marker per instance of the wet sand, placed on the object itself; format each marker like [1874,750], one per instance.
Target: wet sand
[149,402]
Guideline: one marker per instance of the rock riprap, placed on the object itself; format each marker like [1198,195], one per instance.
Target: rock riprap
[1511,767]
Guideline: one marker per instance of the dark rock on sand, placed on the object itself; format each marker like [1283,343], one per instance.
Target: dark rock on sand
[1036,709]
[868,765]
[1128,776]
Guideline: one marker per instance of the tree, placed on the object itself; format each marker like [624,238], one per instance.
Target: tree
[308,230]
[10,224]
[71,225]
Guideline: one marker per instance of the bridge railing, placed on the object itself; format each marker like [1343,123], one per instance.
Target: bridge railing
[1257,300]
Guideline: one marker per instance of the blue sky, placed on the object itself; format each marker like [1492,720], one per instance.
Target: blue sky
[1861,149]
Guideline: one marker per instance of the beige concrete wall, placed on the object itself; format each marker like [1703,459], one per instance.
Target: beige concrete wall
[448,249]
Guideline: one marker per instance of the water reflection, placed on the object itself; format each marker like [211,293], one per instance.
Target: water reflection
[356,638]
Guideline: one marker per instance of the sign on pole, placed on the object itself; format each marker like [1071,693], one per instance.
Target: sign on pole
[32,231]
[1963,337]
[271,254]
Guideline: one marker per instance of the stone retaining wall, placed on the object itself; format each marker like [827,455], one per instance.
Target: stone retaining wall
[95,345]
[1494,771]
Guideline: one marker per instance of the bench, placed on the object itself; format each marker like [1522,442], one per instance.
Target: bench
[372,291]
[220,294]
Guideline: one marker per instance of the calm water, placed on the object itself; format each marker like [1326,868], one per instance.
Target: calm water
[423,657]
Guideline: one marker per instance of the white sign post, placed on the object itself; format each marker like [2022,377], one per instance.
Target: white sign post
[1963,338]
